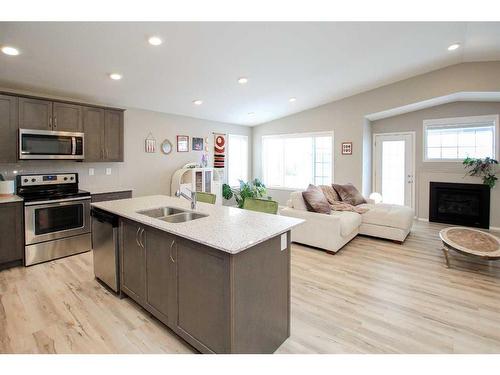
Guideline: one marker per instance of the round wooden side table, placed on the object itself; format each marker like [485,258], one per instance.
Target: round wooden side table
[471,242]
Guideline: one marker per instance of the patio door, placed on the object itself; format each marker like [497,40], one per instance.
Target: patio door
[394,166]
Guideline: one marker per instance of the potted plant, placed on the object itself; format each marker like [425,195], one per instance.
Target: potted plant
[251,189]
[485,168]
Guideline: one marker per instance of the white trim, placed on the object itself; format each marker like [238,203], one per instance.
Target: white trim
[454,122]
[374,161]
[423,219]
[485,96]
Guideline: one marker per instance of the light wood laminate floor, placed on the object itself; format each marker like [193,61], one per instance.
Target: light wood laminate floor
[373,296]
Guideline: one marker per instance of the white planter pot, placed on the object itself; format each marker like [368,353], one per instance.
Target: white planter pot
[7,187]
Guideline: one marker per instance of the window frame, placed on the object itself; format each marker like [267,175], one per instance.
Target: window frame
[297,135]
[228,156]
[455,122]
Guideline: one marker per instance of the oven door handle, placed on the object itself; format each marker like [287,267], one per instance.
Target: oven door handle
[36,203]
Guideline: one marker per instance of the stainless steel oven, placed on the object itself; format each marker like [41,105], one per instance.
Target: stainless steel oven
[55,219]
[48,144]
[56,216]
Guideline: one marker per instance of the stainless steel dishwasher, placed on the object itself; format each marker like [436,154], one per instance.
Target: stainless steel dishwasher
[105,248]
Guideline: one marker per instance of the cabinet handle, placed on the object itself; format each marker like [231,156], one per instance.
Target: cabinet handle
[55,122]
[50,121]
[171,246]
[141,238]
[137,237]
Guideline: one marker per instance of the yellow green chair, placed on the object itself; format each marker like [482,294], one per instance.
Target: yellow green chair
[206,197]
[261,205]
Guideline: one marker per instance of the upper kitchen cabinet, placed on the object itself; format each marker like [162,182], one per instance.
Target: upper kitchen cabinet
[113,135]
[35,114]
[66,117]
[103,134]
[8,129]
[93,126]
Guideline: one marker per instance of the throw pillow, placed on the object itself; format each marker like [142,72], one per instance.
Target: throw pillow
[349,194]
[330,193]
[315,200]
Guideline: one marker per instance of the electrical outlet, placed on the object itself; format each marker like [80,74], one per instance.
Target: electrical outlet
[108,171]
[91,171]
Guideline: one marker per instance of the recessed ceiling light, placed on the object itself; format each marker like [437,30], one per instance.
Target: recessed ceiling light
[251,113]
[155,41]
[198,102]
[454,46]
[242,80]
[11,51]
[115,76]
[291,100]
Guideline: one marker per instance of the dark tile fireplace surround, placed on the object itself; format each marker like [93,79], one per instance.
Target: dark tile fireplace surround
[460,204]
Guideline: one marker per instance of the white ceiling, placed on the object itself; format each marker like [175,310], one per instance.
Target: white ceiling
[314,62]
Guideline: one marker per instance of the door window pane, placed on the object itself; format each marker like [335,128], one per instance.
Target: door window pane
[237,159]
[393,172]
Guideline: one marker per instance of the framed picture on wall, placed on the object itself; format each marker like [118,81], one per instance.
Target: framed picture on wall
[182,143]
[197,144]
[346,148]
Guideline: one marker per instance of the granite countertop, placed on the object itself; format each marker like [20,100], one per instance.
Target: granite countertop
[10,199]
[225,228]
[104,190]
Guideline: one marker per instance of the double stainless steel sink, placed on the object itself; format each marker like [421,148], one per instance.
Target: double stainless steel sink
[171,214]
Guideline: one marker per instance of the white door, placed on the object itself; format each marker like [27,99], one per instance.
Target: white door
[394,167]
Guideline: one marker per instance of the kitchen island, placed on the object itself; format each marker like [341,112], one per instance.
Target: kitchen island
[217,276]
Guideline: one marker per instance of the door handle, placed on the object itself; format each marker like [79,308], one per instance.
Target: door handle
[171,246]
[137,237]
[141,238]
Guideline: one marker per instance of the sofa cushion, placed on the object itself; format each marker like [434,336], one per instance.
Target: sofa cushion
[348,193]
[389,215]
[315,200]
[296,201]
[349,221]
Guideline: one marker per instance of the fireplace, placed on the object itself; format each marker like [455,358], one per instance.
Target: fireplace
[460,204]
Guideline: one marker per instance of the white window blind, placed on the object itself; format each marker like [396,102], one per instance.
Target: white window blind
[295,160]
[237,159]
[458,138]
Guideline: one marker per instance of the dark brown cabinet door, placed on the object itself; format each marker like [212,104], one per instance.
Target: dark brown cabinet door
[113,135]
[202,295]
[133,276]
[160,247]
[93,126]
[67,117]
[8,129]
[11,232]
[35,114]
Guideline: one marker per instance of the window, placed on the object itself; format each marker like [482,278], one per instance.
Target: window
[237,166]
[454,139]
[296,160]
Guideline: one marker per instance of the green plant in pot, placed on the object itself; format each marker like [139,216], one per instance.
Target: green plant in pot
[484,168]
[251,189]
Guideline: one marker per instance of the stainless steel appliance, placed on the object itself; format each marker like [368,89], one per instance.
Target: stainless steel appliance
[105,248]
[56,216]
[48,144]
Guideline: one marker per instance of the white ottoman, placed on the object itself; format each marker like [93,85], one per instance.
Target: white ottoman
[388,221]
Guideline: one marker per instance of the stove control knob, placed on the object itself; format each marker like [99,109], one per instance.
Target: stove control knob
[65,178]
[25,180]
[71,178]
[33,180]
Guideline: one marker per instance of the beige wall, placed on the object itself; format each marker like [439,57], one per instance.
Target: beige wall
[145,173]
[347,117]
[439,171]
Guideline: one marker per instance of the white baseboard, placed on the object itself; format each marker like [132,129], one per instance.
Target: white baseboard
[422,219]
[496,229]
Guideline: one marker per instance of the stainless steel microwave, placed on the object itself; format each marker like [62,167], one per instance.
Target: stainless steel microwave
[48,144]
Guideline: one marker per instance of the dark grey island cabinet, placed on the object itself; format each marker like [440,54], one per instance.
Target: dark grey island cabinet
[218,302]
[11,235]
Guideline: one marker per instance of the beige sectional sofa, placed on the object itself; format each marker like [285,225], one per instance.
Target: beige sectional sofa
[331,232]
